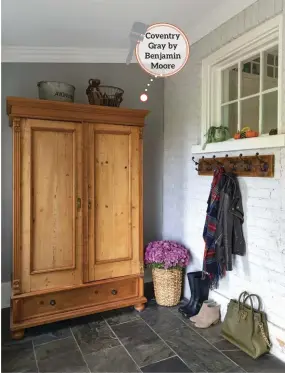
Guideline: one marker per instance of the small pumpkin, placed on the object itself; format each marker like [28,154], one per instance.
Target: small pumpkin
[251,133]
[237,136]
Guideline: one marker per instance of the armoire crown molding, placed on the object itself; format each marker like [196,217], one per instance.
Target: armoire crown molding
[64,54]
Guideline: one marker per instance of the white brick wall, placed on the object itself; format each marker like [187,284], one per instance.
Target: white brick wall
[262,270]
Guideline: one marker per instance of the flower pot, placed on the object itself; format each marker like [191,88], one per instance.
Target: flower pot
[167,286]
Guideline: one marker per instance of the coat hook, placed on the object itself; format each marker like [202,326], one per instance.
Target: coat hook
[193,159]
[260,160]
[219,163]
[263,165]
[204,160]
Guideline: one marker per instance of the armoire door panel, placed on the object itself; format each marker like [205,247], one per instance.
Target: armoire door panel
[53,194]
[52,223]
[112,196]
[113,247]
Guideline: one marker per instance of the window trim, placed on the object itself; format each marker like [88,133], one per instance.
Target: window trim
[263,37]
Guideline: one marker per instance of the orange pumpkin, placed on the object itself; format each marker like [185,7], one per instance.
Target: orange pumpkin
[237,136]
[251,133]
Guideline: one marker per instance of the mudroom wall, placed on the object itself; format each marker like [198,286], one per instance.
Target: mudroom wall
[262,270]
[20,79]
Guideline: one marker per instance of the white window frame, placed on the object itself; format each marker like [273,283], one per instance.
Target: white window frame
[261,38]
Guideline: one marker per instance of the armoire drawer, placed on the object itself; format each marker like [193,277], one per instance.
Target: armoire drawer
[84,296]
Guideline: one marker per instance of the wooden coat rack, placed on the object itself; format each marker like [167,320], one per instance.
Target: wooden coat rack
[251,166]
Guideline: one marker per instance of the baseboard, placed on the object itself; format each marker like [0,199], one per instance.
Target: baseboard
[5,294]
[276,333]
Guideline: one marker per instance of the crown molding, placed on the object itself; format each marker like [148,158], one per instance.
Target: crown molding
[64,54]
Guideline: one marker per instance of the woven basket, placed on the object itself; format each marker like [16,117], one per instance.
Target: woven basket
[167,286]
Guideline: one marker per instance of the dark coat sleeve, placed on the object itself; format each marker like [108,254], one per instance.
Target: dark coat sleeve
[238,242]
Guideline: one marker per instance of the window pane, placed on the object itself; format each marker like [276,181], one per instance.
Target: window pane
[270,72]
[230,84]
[255,68]
[250,113]
[269,111]
[270,59]
[270,80]
[230,117]
[250,81]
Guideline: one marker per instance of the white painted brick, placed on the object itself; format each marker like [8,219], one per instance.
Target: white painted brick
[259,193]
[266,203]
[278,6]
[251,16]
[262,269]
[265,9]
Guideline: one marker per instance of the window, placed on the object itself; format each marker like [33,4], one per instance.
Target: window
[250,93]
[241,82]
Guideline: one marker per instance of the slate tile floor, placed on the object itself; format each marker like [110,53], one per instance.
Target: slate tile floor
[156,340]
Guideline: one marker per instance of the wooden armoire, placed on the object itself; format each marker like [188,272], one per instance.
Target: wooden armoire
[77,210]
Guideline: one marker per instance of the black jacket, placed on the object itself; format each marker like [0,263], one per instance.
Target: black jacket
[229,235]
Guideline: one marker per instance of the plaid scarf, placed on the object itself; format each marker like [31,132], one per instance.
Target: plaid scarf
[210,265]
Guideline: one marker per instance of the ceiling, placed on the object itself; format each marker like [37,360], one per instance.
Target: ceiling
[103,24]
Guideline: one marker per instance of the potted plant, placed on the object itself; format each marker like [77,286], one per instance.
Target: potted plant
[167,259]
[216,134]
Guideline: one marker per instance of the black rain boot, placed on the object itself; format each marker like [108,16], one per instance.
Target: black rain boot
[201,293]
[191,276]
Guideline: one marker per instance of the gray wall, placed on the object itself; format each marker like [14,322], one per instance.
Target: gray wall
[20,79]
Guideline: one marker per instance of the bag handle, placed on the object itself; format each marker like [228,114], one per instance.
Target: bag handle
[242,298]
[250,298]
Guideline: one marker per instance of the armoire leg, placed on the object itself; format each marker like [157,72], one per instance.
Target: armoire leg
[18,334]
[139,307]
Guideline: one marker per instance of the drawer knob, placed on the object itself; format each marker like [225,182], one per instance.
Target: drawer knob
[114,292]
[52,302]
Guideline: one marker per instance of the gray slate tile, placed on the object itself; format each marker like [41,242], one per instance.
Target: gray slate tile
[142,343]
[224,345]
[212,334]
[60,356]
[119,316]
[264,364]
[48,333]
[18,357]
[94,336]
[114,359]
[161,319]
[171,365]
[199,355]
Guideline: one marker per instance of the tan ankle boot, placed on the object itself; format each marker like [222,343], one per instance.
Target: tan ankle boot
[202,310]
[211,316]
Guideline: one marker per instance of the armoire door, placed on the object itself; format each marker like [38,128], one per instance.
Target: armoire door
[114,196]
[51,188]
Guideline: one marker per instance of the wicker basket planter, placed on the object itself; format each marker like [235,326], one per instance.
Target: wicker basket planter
[167,286]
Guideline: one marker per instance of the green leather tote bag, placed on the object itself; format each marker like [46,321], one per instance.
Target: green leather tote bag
[246,327]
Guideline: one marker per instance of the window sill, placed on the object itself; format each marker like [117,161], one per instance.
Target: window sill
[262,142]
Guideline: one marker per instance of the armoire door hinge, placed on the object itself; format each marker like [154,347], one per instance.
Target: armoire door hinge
[89,204]
[141,268]
[78,203]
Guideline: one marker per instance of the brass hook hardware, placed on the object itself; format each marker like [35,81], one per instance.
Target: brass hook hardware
[196,163]
[263,165]
[209,165]
[204,160]
[219,163]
